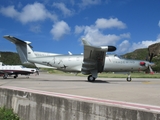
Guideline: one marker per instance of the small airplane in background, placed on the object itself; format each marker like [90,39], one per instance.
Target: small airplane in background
[7,70]
[94,60]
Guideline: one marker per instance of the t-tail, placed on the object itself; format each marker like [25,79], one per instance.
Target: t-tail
[21,47]
[25,51]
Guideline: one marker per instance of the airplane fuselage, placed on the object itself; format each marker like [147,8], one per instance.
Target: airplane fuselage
[73,63]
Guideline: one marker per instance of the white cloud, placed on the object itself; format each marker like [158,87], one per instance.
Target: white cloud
[63,8]
[79,29]
[59,30]
[109,23]
[94,33]
[89,2]
[124,46]
[35,28]
[96,37]
[9,11]
[30,13]
[143,44]
[159,23]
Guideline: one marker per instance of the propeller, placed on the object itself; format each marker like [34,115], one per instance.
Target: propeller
[150,64]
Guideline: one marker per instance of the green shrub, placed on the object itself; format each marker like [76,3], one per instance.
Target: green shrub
[7,114]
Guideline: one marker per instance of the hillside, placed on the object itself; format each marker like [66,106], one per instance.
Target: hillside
[139,54]
[11,58]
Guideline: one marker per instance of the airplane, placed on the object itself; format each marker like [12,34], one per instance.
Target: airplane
[15,70]
[94,60]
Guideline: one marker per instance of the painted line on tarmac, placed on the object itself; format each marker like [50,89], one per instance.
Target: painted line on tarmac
[89,99]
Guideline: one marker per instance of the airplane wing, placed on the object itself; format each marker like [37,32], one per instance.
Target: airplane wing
[94,58]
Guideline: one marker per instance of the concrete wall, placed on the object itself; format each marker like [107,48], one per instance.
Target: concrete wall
[33,106]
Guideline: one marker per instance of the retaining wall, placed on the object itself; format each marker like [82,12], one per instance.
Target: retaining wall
[41,105]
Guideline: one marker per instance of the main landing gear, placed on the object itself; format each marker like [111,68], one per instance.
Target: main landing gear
[5,76]
[16,76]
[91,78]
[129,79]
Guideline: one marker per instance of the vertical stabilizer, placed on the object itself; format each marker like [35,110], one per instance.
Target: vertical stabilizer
[30,53]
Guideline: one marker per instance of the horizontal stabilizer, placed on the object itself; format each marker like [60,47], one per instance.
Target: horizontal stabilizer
[16,40]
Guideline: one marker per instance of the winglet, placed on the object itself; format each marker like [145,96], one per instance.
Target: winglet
[85,42]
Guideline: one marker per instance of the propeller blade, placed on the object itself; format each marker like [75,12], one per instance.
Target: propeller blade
[150,69]
[151,56]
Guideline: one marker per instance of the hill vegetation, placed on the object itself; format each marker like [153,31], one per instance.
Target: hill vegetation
[11,58]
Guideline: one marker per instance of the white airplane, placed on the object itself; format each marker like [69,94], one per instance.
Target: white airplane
[93,61]
[15,70]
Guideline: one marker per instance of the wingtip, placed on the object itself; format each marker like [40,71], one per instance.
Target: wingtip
[85,42]
[5,36]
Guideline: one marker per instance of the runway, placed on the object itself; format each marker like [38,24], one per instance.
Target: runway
[143,91]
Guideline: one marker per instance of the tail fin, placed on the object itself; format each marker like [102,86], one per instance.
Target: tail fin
[24,48]
[25,51]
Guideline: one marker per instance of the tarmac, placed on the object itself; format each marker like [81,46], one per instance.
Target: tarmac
[139,90]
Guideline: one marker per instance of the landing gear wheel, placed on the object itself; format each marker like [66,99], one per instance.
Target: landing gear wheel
[129,79]
[15,76]
[91,78]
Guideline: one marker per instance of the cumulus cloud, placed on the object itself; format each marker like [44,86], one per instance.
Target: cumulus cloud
[159,23]
[79,29]
[30,13]
[123,46]
[9,11]
[89,2]
[109,23]
[95,37]
[35,28]
[94,33]
[60,29]
[143,44]
[63,8]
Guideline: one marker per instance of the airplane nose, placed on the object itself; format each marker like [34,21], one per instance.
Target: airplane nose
[142,63]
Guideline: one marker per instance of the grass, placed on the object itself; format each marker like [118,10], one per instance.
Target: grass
[110,75]
[8,114]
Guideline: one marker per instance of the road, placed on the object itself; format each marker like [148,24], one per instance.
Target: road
[140,90]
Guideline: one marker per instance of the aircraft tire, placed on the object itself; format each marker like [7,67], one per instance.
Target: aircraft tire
[91,78]
[15,77]
[129,79]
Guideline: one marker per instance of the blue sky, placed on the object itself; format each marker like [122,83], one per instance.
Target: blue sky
[58,25]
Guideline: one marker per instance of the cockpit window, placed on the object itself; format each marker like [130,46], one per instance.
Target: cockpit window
[23,67]
[117,57]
